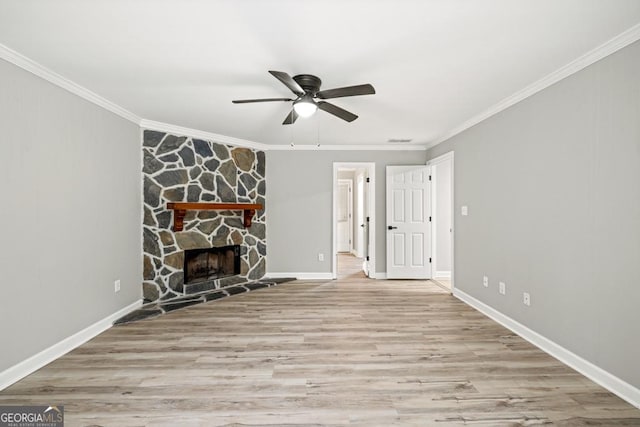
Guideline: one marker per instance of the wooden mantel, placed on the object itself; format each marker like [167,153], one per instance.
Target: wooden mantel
[180,210]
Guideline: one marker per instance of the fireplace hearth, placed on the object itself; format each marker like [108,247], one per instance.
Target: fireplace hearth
[211,263]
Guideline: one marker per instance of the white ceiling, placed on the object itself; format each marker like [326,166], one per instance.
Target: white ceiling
[435,64]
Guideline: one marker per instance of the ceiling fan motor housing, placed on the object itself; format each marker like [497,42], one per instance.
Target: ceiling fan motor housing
[310,83]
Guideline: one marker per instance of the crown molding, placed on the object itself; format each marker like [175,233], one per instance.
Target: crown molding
[618,42]
[370,147]
[33,67]
[229,140]
[195,133]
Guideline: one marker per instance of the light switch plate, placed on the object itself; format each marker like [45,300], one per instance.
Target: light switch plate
[464,211]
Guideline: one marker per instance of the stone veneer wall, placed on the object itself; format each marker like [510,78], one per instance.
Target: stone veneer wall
[182,169]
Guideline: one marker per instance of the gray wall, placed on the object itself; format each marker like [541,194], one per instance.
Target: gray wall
[300,205]
[553,189]
[70,174]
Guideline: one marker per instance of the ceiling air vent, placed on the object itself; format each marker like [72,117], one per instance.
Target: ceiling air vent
[399,140]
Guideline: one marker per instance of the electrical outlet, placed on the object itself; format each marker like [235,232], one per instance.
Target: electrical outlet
[526,298]
[485,281]
[116,285]
[502,288]
[320,257]
[464,210]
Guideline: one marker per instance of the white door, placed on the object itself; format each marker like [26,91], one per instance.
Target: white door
[359,226]
[344,215]
[408,227]
[368,200]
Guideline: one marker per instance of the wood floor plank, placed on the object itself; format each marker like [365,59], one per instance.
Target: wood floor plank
[349,352]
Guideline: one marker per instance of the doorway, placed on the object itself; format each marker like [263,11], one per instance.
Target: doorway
[442,205]
[359,249]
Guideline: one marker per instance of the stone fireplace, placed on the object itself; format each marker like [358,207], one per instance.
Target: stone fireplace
[182,169]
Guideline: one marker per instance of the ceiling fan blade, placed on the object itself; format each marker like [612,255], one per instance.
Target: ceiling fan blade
[288,81]
[291,118]
[346,91]
[245,101]
[337,111]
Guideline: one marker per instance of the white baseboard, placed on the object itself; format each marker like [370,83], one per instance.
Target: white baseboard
[596,374]
[379,276]
[442,275]
[48,355]
[301,276]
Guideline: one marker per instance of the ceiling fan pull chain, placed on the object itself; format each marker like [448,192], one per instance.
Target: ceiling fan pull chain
[291,134]
[318,130]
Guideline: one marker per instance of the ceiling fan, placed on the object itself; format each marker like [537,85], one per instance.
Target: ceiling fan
[306,87]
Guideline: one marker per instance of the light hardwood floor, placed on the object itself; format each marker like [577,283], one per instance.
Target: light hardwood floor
[445,283]
[350,267]
[350,352]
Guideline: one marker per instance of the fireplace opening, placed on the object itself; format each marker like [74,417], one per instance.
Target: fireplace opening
[211,263]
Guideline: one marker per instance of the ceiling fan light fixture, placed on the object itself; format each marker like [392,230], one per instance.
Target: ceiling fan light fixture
[305,106]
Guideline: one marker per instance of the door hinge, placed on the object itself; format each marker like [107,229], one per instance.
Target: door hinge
[429,260]
[367,257]
[368,179]
[429,219]
[367,219]
[429,177]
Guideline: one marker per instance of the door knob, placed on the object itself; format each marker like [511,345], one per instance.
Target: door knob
[391,227]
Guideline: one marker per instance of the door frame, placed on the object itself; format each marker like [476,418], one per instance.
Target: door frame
[370,208]
[349,184]
[434,162]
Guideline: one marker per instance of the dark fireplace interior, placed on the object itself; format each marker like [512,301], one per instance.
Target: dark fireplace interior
[211,263]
